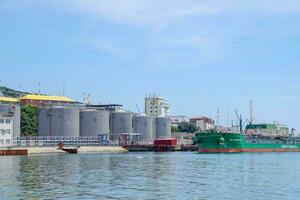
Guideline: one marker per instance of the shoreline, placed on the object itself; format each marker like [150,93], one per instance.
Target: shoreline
[54,150]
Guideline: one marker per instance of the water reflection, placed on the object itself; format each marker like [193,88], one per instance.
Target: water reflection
[151,176]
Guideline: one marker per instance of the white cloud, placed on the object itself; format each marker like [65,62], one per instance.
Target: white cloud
[160,12]
[141,12]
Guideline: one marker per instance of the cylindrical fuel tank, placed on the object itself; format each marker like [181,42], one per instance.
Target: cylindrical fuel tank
[94,122]
[163,127]
[121,122]
[59,121]
[144,125]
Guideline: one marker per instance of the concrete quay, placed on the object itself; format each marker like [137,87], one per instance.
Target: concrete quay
[54,150]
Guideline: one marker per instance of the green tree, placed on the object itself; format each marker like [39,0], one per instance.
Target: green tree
[29,120]
[187,127]
[174,129]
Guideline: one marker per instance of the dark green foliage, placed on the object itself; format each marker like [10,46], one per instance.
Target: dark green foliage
[8,92]
[187,127]
[29,120]
[174,129]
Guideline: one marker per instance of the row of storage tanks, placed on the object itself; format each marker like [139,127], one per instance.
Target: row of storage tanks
[74,122]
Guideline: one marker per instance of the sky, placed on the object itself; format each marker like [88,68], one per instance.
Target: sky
[200,55]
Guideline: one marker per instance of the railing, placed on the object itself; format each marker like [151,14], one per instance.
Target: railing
[272,141]
[102,140]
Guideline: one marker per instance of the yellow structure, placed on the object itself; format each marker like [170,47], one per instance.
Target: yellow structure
[46,98]
[9,100]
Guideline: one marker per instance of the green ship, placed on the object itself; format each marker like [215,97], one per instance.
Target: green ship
[217,142]
[255,138]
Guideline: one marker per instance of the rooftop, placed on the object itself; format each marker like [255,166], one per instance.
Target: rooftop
[202,118]
[9,99]
[46,98]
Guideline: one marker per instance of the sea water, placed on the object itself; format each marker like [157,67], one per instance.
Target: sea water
[174,175]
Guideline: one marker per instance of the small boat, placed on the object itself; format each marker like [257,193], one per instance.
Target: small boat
[73,150]
[70,150]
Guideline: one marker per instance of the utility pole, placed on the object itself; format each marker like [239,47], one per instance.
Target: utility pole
[64,88]
[20,86]
[218,116]
[84,98]
[251,111]
[39,83]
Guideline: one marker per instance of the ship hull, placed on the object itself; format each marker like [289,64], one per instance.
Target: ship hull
[243,150]
[214,142]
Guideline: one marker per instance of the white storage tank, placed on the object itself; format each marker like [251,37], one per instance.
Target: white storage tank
[59,121]
[145,125]
[121,122]
[94,122]
[163,127]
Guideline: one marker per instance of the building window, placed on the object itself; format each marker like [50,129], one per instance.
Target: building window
[1,121]
[1,142]
[7,121]
[7,141]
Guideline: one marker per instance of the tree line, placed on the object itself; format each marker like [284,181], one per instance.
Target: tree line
[187,127]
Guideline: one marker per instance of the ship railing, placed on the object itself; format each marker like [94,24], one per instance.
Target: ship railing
[271,141]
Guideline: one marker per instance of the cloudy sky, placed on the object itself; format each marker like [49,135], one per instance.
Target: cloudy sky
[199,54]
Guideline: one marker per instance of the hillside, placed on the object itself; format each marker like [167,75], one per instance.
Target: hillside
[8,92]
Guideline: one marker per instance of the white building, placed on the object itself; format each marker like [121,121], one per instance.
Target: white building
[203,123]
[176,120]
[6,130]
[157,106]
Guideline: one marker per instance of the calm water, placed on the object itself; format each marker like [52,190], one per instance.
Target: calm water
[151,176]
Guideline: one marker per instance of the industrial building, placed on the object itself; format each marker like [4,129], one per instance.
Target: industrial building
[44,100]
[109,107]
[157,106]
[7,114]
[63,118]
[8,104]
[9,122]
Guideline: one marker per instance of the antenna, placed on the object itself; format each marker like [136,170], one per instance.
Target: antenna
[218,116]
[20,86]
[39,84]
[137,107]
[240,121]
[88,99]
[228,121]
[251,111]
[64,90]
[84,97]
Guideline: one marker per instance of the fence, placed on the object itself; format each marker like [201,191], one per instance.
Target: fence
[101,140]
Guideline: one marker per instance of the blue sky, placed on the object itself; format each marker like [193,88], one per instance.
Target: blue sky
[200,55]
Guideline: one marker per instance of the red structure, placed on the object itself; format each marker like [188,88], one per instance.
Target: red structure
[171,142]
